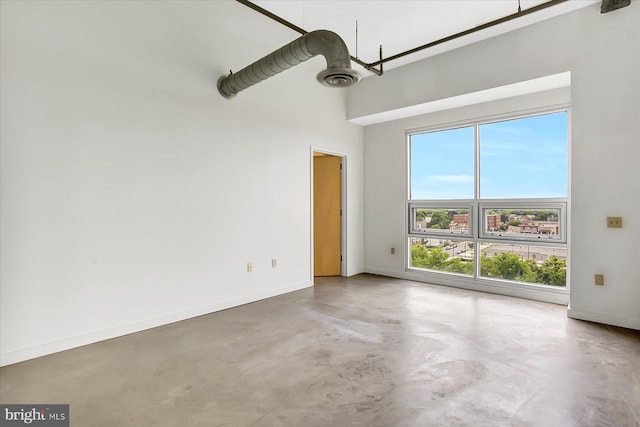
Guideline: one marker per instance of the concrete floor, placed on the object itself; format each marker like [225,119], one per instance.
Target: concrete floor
[367,351]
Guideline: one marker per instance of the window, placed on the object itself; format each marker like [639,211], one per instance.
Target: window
[524,158]
[523,221]
[442,219]
[450,255]
[488,200]
[442,164]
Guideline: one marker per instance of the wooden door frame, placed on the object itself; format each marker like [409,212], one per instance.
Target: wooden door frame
[343,206]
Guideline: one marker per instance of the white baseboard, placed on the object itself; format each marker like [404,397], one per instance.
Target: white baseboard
[607,319]
[537,293]
[23,354]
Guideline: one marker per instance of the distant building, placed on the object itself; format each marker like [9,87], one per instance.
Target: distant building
[549,227]
[459,222]
[461,218]
[493,222]
[540,227]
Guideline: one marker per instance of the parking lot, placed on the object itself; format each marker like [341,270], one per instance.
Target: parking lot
[541,253]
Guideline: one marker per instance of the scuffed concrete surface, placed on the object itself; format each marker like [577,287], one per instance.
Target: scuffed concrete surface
[360,351]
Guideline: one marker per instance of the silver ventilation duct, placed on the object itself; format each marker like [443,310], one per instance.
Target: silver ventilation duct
[609,5]
[320,42]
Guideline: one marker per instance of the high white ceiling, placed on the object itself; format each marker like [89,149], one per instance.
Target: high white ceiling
[400,25]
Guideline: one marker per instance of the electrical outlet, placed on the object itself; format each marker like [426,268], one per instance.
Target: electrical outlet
[393,250]
[273,263]
[249,267]
[614,222]
[598,279]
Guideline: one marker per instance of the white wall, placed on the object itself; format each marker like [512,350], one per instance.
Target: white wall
[132,193]
[602,53]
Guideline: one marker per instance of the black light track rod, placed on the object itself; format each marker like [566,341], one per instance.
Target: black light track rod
[276,18]
[481,27]
[302,31]
[371,66]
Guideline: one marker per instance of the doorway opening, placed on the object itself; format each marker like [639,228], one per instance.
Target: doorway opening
[327,201]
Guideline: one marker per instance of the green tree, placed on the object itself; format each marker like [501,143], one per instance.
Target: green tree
[506,265]
[553,272]
[438,259]
[486,265]
[459,265]
[422,257]
[509,266]
[439,219]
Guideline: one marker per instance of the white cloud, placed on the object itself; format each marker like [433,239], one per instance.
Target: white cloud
[455,179]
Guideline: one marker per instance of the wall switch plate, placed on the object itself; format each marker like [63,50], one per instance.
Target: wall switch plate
[598,279]
[614,222]
[393,250]
[249,267]
[273,263]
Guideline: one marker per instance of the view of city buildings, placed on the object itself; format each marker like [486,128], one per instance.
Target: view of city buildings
[447,249]
[542,222]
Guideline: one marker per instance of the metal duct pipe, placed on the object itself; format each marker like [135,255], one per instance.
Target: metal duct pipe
[609,5]
[319,42]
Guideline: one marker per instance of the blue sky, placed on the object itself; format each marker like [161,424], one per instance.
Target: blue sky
[522,158]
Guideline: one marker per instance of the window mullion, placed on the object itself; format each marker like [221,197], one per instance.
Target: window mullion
[476,166]
[476,196]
